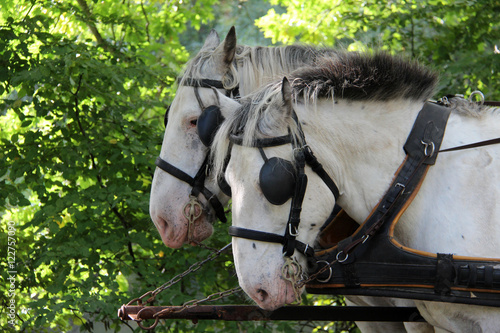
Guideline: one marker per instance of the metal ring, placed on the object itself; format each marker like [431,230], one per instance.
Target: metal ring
[138,320]
[477,92]
[338,254]
[329,275]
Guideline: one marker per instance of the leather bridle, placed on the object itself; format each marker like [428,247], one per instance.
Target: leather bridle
[302,156]
[198,181]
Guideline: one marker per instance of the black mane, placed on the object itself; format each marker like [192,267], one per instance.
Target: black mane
[357,76]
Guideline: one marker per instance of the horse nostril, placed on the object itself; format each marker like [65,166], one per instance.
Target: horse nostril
[263,295]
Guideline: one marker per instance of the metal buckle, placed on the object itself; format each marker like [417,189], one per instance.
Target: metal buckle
[294,234]
[366,236]
[426,147]
[403,187]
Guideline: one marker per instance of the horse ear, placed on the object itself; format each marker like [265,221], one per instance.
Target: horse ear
[286,93]
[212,40]
[230,46]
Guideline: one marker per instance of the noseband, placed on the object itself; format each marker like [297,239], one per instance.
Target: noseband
[198,181]
[302,156]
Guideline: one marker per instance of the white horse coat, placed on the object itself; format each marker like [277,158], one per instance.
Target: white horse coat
[359,142]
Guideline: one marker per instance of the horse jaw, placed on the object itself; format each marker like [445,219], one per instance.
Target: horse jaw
[169,218]
[259,264]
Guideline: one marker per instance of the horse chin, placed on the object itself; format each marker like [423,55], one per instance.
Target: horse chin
[274,295]
[201,231]
[175,235]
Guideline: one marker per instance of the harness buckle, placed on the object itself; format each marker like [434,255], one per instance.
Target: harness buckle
[402,186]
[426,147]
[294,234]
[365,238]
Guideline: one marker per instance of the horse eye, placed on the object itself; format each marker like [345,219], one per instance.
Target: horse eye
[194,122]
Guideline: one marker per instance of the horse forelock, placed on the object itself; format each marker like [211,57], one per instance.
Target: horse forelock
[258,117]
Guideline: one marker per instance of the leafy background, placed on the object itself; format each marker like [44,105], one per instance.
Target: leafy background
[83,87]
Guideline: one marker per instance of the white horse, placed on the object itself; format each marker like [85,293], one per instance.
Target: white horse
[356,112]
[227,67]
[243,67]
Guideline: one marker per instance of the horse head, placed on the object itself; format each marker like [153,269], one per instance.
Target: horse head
[181,200]
[268,184]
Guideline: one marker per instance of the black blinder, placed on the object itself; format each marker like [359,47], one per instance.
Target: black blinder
[224,186]
[277,180]
[208,123]
[165,117]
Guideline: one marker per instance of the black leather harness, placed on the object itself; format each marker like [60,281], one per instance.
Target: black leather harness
[372,263]
[302,156]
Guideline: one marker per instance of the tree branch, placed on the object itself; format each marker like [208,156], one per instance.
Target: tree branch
[147,20]
[92,27]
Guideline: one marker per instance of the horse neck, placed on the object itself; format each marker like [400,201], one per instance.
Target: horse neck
[360,145]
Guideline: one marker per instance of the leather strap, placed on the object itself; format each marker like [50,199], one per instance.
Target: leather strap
[208,83]
[174,171]
[197,184]
[262,143]
[313,162]
[262,236]
[473,145]
[202,83]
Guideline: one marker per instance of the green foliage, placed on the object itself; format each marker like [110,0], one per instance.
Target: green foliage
[460,39]
[83,88]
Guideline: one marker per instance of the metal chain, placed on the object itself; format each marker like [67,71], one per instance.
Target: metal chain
[291,271]
[189,304]
[303,282]
[192,211]
[193,268]
[195,302]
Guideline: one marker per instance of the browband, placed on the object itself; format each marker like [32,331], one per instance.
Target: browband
[262,143]
[202,83]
